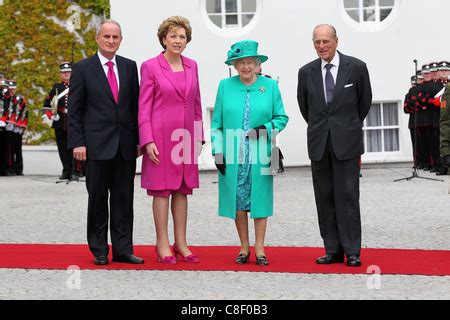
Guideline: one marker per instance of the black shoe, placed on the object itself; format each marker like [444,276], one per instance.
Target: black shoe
[443,171]
[330,258]
[353,260]
[243,258]
[65,176]
[261,261]
[128,258]
[101,261]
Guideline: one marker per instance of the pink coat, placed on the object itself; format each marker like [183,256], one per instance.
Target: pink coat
[173,121]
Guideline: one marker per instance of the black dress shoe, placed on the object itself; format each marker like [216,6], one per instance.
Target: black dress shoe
[261,261]
[128,258]
[243,258]
[330,258]
[101,261]
[353,260]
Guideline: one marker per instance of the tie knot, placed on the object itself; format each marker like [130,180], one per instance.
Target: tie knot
[110,64]
[328,66]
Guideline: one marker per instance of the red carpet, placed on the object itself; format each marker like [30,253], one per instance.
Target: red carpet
[282,259]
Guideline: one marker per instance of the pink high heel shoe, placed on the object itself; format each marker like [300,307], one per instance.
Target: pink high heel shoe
[167,260]
[190,258]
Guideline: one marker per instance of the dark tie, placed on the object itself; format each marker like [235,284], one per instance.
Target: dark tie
[329,83]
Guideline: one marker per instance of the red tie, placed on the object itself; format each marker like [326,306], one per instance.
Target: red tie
[112,80]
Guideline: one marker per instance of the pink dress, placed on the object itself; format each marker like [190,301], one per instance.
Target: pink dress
[170,115]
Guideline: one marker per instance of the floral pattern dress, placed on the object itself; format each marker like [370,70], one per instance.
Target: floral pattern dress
[244,179]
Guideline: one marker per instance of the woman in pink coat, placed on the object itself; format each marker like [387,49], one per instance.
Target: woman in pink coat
[171,134]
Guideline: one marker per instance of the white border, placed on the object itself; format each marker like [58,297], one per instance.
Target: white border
[233,32]
[371,26]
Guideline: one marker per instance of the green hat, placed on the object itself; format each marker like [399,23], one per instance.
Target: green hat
[244,49]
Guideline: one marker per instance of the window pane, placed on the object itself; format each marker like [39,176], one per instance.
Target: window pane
[248,5]
[246,18]
[374,143]
[230,6]
[390,114]
[374,116]
[368,3]
[384,13]
[386,3]
[217,20]
[391,140]
[369,14]
[213,6]
[231,20]
[351,4]
[354,14]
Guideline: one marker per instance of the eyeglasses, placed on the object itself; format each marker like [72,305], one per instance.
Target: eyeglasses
[246,63]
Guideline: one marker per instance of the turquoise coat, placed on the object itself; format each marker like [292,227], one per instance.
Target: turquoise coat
[266,109]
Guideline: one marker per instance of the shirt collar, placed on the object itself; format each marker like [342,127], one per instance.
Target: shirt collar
[104,60]
[334,62]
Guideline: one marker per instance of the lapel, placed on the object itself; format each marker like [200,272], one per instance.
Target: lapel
[121,67]
[343,72]
[169,74]
[318,81]
[97,68]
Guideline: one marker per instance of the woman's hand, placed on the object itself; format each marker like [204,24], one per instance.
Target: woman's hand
[152,152]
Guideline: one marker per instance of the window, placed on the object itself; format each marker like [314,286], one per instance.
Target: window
[369,15]
[231,15]
[381,128]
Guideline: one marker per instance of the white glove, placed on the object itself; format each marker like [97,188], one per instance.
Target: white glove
[2,124]
[46,120]
[9,127]
[55,117]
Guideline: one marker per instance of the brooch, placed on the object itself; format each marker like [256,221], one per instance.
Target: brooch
[262,89]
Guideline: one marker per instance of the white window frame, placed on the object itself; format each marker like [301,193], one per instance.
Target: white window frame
[382,128]
[370,26]
[231,30]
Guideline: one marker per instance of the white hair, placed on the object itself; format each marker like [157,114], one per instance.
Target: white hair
[257,61]
[100,26]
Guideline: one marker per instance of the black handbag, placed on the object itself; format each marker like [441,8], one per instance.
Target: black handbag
[276,161]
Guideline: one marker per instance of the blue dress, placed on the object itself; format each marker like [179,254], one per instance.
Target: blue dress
[244,179]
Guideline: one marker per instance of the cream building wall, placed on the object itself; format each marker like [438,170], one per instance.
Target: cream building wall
[416,30]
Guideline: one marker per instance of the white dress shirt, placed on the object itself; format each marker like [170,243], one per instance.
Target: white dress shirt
[334,71]
[104,62]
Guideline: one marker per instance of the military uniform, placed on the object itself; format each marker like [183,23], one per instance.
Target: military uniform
[60,91]
[445,126]
[410,107]
[4,96]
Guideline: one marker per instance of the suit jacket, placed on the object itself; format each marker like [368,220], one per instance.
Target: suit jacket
[95,120]
[172,119]
[343,118]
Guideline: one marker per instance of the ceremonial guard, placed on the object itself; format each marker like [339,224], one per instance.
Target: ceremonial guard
[4,93]
[55,109]
[410,107]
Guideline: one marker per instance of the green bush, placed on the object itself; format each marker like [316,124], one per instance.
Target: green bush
[34,40]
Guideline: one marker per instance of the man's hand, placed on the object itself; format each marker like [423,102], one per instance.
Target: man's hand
[152,152]
[80,153]
[139,152]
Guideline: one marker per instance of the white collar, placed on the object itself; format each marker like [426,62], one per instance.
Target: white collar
[104,60]
[335,62]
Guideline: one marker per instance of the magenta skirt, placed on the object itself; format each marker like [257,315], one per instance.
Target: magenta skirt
[165,193]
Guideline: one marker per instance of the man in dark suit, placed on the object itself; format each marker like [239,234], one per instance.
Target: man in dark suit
[103,106]
[335,96]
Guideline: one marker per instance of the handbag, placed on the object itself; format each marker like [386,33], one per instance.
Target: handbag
[276,161]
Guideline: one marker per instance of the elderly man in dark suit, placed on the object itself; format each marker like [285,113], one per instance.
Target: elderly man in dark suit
[103,106]
[335,96]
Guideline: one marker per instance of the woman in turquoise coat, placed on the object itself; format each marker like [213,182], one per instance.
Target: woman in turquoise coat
[248,112]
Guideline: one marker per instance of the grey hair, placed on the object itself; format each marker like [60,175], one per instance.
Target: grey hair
[332,30]
[100,26]
[257,61]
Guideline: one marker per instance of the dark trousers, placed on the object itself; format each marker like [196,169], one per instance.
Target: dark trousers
[3,152]
[424,146]
[114,179]
[64,154]
[17,149]
[336,189]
